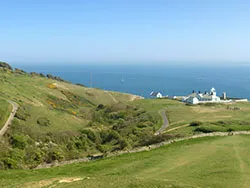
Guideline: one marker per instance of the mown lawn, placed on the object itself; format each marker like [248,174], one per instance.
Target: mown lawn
[5,110]
[203,162]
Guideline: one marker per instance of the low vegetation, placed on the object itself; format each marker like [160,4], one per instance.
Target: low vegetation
[59,121]
[203,162]
[5,109]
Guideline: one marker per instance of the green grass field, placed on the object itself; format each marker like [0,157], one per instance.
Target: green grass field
[5,110]
[235,115]
[203,162]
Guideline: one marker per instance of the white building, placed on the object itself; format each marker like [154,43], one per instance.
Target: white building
[196,98]
[156,94]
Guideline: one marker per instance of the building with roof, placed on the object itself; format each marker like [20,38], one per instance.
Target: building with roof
[156,94]
[196,98]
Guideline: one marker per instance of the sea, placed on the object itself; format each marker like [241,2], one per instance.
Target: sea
[141,80]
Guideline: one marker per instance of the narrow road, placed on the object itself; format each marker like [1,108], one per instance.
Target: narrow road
[165,122]
[9,120]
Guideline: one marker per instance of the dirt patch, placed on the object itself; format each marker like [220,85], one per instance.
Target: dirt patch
[206,110]
[135,97]
[69,180]
[42,183]
[60,86]
[51,182]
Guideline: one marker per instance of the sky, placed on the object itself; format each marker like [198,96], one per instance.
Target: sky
[123,31]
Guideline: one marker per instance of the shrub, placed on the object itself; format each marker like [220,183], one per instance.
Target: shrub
[8,163]
[34,156]
[123,144]
[18,141]
[17,154]
[42,75]
[210,129]
[22,114]
[5,65]
[230,129]
[100,106]
[92,135]
[52,86]
[103,148]
[43,121]
[154,139]
[54,154]
[195,123]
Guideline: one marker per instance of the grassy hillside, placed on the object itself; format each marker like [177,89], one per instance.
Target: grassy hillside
[5,109]
[203,162]
[58,120]
[206,117]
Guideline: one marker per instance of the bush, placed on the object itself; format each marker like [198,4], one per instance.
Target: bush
[8,163]
[103,148]
[54,154]
[17,155]
[34,157]
[22,114]
[100,107]
[195,123]
[43,121]
[123,144]
[92,135]
[109,135]
[5,65]
[154,139]
[18,141]
[210,129]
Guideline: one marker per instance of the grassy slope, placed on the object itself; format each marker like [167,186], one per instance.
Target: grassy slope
[204,162]
[180,114]
[32,92]
[5,110]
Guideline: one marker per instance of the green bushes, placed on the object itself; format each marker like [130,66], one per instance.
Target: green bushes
[43,121]
[54,154]
[91,135]
[110,128]
[34,156]
[18,141]
[22,113]
[5,65]
[154,139]
[210,129]
[8,163]
[195,123]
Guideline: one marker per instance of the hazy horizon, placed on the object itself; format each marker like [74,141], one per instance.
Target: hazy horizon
[126,32]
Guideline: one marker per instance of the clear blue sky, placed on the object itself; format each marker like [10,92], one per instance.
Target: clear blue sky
[125,31]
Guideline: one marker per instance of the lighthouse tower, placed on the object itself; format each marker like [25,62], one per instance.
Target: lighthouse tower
[213,92]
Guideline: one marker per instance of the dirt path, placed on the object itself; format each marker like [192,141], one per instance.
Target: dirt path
[9,120]
[165,122]
[175,128]
[111,96]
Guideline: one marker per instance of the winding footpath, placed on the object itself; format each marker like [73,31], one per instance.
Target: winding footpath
[165,122]
[11,117]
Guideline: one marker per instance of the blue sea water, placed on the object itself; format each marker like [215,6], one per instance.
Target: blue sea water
[141,80]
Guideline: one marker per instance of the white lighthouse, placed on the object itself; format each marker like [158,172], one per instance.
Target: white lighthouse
[213,92]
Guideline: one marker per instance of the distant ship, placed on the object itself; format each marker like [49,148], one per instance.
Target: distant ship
[122,80]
